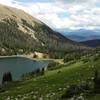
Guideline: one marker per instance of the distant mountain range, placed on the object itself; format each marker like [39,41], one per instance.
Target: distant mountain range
[81,35]
[21,33]
[92,43]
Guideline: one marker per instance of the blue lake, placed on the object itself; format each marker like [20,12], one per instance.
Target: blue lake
[19,66]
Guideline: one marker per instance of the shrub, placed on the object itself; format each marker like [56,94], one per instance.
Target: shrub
[96,81]
[85,60]
[7,77]
[74,90]
[43,71]
[53,65]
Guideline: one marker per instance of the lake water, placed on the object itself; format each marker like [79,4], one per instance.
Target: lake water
[19,66]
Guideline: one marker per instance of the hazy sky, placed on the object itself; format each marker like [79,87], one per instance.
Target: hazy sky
[69,14]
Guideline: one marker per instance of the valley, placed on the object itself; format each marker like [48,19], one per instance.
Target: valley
[38,62]
[92,43]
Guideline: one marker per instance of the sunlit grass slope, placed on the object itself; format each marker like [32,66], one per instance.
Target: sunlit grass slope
[53,84]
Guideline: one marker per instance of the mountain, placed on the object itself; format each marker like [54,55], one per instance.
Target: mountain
[20,33]
[92,43]
[81,35]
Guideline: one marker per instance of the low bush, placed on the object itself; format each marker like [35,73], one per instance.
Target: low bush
[53,65]
[7,77]
[75,90]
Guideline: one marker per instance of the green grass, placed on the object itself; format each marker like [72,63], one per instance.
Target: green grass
[53,84]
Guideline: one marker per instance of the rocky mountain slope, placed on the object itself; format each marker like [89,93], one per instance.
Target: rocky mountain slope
[21,33]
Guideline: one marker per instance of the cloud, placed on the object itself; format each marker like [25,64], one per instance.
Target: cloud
[72,14]
[6,2]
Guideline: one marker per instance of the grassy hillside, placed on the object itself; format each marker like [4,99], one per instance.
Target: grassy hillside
[54,83]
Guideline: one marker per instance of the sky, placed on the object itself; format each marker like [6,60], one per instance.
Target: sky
[62,14]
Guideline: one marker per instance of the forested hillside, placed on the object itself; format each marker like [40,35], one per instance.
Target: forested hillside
[21,33]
